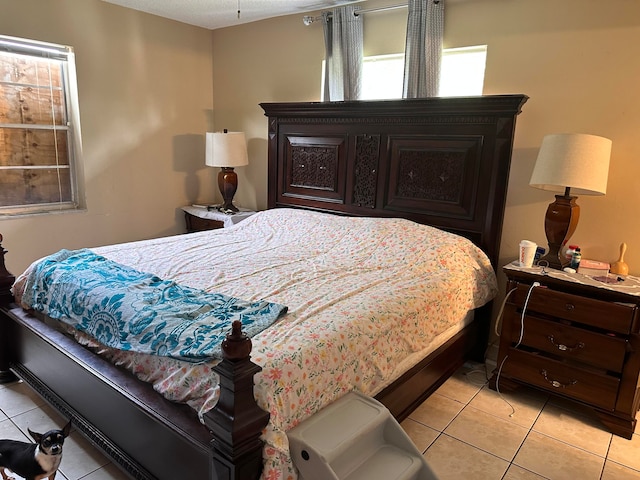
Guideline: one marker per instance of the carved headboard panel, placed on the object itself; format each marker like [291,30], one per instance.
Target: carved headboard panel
[438,161]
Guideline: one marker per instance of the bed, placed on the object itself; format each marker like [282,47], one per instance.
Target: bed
[440,162]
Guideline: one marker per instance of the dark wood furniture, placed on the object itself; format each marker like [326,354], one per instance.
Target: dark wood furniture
[198,219]
[197,224]
[438,161]
[577,341]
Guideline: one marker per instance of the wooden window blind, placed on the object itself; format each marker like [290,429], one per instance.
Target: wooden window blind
[39,130]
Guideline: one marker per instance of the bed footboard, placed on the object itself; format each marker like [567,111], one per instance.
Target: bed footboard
[146,435]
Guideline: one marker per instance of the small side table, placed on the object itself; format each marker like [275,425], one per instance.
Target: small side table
[198,219]
[575,337]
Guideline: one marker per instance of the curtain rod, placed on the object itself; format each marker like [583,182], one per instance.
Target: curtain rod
[308,20]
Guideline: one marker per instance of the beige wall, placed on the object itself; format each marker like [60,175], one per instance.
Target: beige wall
[577,60]
[146,97]
[145,102]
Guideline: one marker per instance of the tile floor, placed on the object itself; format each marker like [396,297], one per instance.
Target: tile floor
[20,409]
[465,430]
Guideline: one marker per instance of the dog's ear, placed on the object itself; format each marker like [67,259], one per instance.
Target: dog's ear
[67,429]
[36,436]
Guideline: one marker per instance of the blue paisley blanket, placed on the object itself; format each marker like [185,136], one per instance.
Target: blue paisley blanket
[131,310]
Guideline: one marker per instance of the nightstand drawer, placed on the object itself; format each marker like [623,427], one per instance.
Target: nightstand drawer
[616,317]
[197,224]
[199,218]
[571,343]
[588,386]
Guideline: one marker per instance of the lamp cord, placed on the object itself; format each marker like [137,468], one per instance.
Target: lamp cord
[501,311]
[524,310]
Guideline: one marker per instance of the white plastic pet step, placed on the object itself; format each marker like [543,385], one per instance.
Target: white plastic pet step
[355,438]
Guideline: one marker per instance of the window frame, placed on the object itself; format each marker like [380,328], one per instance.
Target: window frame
[66,55]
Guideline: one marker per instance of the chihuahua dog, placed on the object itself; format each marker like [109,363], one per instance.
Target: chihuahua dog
[34,461]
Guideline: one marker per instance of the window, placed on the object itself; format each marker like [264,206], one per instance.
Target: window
[39,127]
[461,74]
[462,71]
[382,77]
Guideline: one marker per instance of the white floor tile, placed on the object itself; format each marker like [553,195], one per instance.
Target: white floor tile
[460,408]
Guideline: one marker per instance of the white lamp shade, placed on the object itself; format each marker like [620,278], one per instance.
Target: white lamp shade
[574,160]
[227,149]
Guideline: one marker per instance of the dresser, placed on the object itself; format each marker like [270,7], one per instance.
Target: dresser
[578,338]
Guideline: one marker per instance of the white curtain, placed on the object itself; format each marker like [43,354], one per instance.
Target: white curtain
[343,59]
[423,50]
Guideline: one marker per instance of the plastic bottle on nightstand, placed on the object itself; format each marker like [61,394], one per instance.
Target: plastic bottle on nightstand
[571,249]
[575,259]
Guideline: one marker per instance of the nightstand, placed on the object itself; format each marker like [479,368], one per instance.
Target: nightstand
[198,219]
[578,338]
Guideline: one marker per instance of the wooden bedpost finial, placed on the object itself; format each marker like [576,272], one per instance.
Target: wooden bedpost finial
[6,279]
[237,345]
[237,421]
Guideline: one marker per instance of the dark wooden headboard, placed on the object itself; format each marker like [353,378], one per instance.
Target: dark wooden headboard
[438,161]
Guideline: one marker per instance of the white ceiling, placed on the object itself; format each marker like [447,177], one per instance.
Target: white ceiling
[214,14]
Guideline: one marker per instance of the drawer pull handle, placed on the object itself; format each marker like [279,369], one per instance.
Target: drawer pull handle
[555,383]
[564,348]
[569,306]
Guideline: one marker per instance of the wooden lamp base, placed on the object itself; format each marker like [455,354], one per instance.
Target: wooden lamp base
[560,222]
[228,184]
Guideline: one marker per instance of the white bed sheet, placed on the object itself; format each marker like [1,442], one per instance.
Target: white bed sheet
[367,299]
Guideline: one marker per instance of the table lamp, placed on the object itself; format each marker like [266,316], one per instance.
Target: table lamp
[576,163]
[226,150]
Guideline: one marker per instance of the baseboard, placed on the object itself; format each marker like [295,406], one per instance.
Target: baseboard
[491,357]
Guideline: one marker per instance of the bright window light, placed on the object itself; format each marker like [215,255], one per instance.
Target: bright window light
[462,71]
[382,77]
[461,74]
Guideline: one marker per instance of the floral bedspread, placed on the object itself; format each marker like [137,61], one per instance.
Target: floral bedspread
[366,298]
[135,311]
